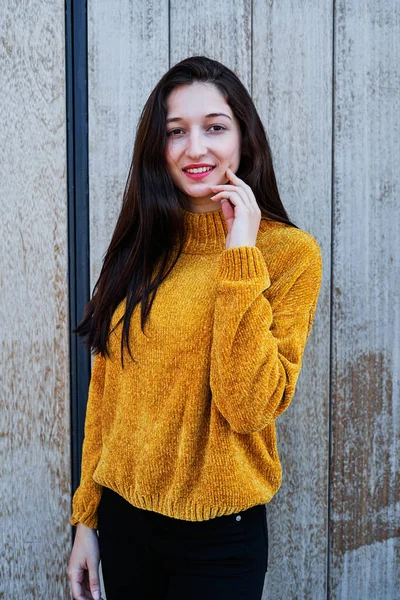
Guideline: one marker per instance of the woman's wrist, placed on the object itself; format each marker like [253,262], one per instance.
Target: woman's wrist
[84,528]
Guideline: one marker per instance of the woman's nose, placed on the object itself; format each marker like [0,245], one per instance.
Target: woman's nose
[195,146]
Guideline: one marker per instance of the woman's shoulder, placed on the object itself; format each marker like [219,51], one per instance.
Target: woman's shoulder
[294,261]
[283,243]
[282,234]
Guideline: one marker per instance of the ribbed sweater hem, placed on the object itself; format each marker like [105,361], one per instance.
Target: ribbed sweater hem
[183,508]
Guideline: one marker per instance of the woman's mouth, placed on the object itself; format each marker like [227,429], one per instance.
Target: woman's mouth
[199,173]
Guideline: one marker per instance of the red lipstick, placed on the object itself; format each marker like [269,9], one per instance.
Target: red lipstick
[198,166]
[193,166]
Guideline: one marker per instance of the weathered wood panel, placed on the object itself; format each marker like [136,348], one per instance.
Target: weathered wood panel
[292,89]
[35,492]
[219,30]
[128,53]
[365,488]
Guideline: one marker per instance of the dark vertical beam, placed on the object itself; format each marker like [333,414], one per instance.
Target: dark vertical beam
[78,216]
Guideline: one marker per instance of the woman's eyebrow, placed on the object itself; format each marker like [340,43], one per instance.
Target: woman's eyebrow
[171,119]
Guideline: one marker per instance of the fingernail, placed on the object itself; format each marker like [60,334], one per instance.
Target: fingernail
[96,595]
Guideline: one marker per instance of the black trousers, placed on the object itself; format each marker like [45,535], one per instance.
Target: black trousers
[148,556]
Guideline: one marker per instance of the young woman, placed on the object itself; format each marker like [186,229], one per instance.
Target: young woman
[198,322]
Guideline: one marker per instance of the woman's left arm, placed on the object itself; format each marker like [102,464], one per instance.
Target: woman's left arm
[256,352]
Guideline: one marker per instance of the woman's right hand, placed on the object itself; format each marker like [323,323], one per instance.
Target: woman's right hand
[83,567]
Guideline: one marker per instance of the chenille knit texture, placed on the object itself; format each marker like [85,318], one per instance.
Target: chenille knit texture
[188,430]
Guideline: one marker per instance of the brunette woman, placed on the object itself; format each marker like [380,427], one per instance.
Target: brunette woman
[198,323]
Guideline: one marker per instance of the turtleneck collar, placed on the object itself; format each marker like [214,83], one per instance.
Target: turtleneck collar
[205,232]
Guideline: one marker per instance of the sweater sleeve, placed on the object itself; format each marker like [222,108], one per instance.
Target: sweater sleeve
[256,352]
[87,496]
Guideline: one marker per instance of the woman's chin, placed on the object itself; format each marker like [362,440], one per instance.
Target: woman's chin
[199,190]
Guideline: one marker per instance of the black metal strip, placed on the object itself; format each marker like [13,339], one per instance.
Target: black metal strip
[78,217]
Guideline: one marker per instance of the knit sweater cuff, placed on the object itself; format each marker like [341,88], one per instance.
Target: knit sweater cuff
[85,503]
[86,516]
[243,262]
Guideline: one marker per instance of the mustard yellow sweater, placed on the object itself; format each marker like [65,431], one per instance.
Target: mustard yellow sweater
[189,429]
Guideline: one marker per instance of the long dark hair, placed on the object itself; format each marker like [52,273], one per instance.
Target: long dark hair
[150,228]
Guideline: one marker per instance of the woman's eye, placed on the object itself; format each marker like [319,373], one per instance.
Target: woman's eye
[173,131]
[220,127]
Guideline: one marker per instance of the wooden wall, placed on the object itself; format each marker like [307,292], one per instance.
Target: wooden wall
[365,475]
[292,71]
[35,487]
[325,78]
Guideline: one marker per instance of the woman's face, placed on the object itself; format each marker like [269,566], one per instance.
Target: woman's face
[201,131]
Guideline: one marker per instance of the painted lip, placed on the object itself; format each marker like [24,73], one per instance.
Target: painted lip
[198,175]
[193,166]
